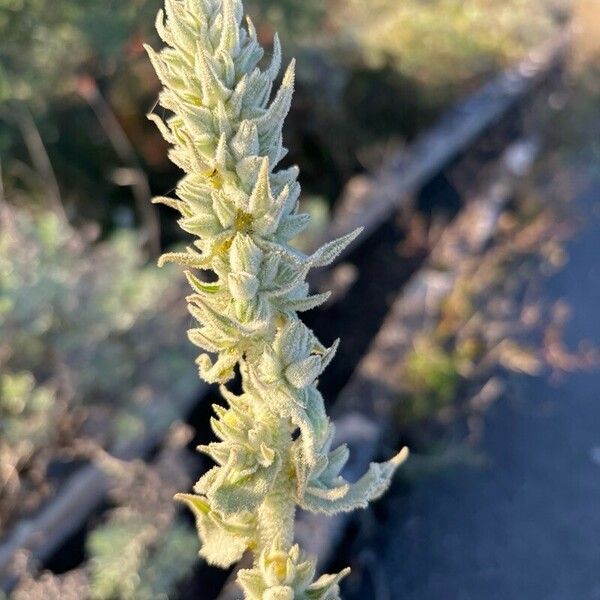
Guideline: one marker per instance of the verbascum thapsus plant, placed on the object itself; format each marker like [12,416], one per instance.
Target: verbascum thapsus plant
[274,450]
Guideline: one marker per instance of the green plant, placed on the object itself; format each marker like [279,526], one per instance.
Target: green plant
[27,414]
[45,43]
[451,41]
[431,375]
[24,409]
[141,551]
[72,312]
[275,438]
[77,309]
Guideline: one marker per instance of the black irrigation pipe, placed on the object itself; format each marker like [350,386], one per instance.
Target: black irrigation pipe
[43,533]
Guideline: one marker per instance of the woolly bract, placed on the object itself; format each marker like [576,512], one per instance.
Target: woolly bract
[274,440]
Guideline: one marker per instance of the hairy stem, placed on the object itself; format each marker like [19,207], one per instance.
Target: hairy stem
[276,516]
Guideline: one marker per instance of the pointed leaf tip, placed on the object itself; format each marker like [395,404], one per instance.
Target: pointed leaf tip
[400,457]
[327,253]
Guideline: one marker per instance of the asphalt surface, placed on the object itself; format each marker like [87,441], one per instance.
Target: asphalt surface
[527,524]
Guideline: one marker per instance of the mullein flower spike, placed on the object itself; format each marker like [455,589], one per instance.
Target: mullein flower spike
[274,440]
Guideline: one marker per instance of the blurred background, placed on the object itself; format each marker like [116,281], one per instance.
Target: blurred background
[468,316]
